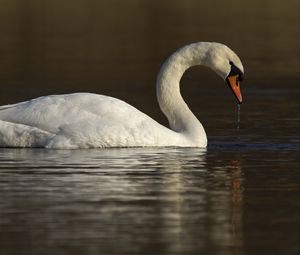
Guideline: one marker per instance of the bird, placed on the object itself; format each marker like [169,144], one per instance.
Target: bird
[88,120]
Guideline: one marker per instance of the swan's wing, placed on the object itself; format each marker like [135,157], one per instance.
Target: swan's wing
[86,120]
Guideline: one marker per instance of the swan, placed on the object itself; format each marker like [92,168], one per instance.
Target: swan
[86,120]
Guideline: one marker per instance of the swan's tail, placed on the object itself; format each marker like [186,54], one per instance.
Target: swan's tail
[19,135]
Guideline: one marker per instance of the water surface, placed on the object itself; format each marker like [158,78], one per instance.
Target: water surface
[238,196]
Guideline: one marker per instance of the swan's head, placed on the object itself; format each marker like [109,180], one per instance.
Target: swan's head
[227,65]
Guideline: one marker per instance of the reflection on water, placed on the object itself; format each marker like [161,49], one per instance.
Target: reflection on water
[237,199]
[148,201]
[144,201]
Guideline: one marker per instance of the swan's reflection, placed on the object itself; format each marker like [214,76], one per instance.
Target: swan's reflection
[147,200]
[237,203]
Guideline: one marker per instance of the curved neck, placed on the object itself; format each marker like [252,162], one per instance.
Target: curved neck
[180,117]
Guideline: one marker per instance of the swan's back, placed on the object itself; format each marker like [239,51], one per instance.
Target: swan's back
[49,113]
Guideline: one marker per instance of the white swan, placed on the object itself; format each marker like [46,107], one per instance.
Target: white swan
[84,120]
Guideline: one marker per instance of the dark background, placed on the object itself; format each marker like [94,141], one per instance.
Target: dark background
[117,47]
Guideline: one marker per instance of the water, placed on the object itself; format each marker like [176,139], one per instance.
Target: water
[238,196]
[229,199]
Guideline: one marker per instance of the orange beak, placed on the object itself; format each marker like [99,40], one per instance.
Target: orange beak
[234,84]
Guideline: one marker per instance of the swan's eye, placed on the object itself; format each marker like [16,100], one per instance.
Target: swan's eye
[236,71]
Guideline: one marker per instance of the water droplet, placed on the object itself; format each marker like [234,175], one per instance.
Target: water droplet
[238,122]
[238,117]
